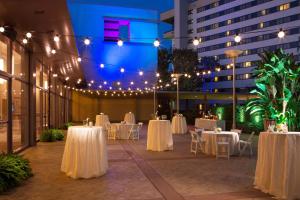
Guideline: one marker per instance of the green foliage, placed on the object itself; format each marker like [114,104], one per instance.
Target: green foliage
[13,170]
[277,89]
[51,135]
[67,125]
[220,111]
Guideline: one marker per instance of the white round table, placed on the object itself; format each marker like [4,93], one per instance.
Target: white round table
[102,120]
[179,125]
[210,138]
[209,124]
[159,136]
[129,118]
[278,163]
[85,154]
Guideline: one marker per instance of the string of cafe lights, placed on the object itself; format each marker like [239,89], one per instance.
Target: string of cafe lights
[122,91]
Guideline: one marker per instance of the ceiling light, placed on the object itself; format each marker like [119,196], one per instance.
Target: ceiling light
[53,51]
[2,29]
[56,38]
[25,41]
[67,78]
[55,75]
[28,35]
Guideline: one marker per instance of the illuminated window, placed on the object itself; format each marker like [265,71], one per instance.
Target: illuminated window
[284,6]
[115,29]
[228,44]
[227,33]
[218,69]
[261,25]
[229,21]
[216,90]
[247,64]
[229,78]
[228,66]
[263,12]
[216,79]
[247,76]
[246,52]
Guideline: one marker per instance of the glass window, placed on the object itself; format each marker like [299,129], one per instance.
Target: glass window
[284,6]
[38,112]
[20,114]
[3,115]
[3,55]
[19,62]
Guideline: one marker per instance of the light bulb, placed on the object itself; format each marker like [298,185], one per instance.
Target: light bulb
[56,38]
[79,59]
[87,41]
[122,70]
[25,41]
[237,38]
[196,42]
[157,74]
[281,34]
[120,42]
[141,73]
[156,43]
[53,51]
[2,29]
[102,65]
[28,35]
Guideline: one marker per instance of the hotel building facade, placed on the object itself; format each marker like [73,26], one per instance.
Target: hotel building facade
[215,24]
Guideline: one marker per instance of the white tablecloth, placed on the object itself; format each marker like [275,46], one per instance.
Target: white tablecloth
[179,125]
[209,124]
[123,130]
[102,120]
[278,164]
[85,154]
[129,118]
[210,138]
[159,136]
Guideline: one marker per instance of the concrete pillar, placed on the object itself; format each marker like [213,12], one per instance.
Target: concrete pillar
[180,23]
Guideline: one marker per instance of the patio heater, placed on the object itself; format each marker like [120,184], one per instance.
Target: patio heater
[233,54]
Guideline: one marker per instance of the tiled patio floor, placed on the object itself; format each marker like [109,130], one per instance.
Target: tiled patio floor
[137,174]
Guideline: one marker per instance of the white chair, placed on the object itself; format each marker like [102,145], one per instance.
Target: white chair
[164,117]
[238,131]
[196,142]
[199,130]
[223,145]
[134,132]
[111,131]
[246,144]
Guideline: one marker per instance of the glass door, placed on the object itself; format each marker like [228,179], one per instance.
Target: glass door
[3,113]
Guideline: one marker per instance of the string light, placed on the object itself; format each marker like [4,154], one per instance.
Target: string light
[79,59]
[131,83]
[102,65]
[67,78]
[28,35]
[122,70]
[53,51]
[141,73]
[120,42]
[281,34]
[196,42]
[55,75]
[2,29]
[87,41]
[237,38]
[156,43]
[157,74]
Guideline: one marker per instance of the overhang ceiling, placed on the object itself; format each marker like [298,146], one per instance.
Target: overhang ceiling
[45,18]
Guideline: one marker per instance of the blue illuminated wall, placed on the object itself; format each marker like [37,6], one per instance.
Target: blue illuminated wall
[137,54]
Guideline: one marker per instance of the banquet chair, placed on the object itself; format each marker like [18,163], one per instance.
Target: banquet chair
[196,142]
[246,144]
[134,132]
[238,131]
[223,145]
[164,117]
[141,125]
[111,131]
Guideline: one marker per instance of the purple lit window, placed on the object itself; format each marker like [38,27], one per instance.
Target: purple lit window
[115,29]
